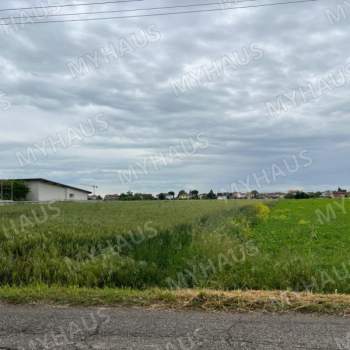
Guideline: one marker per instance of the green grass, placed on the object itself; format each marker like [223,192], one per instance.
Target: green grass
[302,250]
[122,244]
[186,244]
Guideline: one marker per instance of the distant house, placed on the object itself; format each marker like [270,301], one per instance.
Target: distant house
[238,195]
[183,196]
[327,194]
[143,196]
[335,194]
[94,197]
[223,196]
[340,194]
[274,195]
[111,197]
[42,190]
[294,192]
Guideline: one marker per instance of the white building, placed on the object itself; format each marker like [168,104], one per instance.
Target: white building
[42,190]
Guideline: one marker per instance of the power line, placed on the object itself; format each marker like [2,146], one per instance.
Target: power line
[128,10]
[69,5]
[160,14]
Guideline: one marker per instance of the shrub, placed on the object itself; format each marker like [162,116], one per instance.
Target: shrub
[13,190]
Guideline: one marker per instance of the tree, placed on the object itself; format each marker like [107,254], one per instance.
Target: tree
[297,195]
[138,197]
[129,196]
[315,194]
[255,194]
[302,195]
[162,196]
[147,197]
[172,194]
[211,195]
[194,194]
[13,190]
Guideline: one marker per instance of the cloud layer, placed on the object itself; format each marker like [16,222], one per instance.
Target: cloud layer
[158,83]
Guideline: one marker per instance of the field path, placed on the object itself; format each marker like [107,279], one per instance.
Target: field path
[44,327]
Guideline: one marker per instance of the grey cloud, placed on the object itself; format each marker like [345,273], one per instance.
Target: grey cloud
[146,117]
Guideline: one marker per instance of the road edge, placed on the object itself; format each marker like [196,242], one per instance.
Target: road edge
[206,300]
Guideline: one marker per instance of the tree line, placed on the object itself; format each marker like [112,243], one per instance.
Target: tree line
[13,190]
[171,195]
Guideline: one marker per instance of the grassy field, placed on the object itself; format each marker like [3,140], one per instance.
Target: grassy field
[285,245]
[123,244]
[304,245]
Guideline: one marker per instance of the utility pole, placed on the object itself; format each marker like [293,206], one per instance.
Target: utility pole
[94,188]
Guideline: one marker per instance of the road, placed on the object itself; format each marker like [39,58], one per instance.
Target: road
[44,327]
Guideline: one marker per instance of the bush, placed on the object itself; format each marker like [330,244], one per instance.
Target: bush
[255,213]
[13,190]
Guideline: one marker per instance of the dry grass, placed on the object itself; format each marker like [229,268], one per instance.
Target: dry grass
[269,301]
[206,300]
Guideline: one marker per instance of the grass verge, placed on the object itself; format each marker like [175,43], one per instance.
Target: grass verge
[207,300]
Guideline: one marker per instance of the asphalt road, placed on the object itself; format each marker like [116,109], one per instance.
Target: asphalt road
[42,327]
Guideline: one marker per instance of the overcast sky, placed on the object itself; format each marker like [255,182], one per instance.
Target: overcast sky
[179,102]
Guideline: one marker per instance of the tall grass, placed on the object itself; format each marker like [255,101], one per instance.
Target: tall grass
[211,244]
[73,247]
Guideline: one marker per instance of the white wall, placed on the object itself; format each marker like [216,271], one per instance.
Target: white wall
[33,195]
[42,192]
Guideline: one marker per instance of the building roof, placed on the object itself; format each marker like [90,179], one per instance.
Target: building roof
[50,183]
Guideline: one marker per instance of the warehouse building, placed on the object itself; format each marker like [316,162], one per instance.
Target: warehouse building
[42,190]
